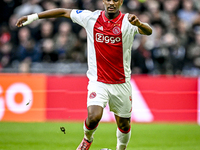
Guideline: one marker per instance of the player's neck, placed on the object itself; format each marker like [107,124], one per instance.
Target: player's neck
[111,16]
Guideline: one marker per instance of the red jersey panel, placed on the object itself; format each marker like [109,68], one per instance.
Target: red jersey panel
[109,49]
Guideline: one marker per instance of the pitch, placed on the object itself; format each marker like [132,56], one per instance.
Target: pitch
[48,136]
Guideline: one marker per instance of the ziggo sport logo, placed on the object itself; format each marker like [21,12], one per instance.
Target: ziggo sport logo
[107,39]
[9,99]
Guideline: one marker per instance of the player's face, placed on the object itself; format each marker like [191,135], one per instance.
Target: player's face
[112,6]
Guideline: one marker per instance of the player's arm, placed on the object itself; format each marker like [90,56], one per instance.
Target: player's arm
[143,28]
[53,13]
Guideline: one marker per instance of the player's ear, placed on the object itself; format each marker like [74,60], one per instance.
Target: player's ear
[121,2]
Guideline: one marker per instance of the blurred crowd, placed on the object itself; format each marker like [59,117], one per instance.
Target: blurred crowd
[173,48]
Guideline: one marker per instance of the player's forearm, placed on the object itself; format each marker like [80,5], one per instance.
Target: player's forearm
[55,13]
[144,28]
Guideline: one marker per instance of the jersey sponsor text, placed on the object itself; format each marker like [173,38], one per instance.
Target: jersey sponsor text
[107,39]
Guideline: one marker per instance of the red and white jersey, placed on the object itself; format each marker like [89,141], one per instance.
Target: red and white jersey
[109,44]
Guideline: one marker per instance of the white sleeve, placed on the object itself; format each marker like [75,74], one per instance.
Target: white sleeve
[131,29]
[136,31]
[80,17]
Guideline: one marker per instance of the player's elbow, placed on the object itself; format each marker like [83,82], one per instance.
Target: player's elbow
[149,32]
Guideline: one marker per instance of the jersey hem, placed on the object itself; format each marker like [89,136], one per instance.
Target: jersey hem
[112,82]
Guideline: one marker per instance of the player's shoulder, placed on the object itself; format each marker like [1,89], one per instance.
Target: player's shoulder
[87,11]
[126,15]
[125,18]
[95,13]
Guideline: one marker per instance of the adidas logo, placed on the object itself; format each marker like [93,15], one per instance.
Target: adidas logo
[100,28]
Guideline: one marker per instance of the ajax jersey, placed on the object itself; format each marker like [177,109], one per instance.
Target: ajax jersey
[109,45]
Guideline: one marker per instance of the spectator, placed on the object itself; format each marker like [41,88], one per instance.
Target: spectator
[47,5]
[13,29]
[65,41]
[23,36]
[6,9]
[46,30]
[171,6]
[25,65]
[182,33]
[99,5]
[29,51]
[6,55]
[28,7]
[142,62]
[88,5]
[49,54]
[194,51]
[5,35]
[133,5]
[187,13]
[68,4]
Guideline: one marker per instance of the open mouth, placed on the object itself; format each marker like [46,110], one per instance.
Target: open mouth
[111,8]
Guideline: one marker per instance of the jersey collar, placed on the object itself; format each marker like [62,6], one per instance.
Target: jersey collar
[113,20]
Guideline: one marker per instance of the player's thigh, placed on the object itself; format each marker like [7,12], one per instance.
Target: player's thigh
[95,113]
[120,101]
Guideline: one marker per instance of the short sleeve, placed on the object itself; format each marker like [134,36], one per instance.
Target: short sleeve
[136,31]
[133,28]
[80,17]
[128,27]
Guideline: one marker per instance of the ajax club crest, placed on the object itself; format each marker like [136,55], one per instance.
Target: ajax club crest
[116,30]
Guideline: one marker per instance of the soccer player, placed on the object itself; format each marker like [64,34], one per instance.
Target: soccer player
[110,35]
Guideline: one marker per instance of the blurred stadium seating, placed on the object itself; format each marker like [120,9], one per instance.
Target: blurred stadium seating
[59,46]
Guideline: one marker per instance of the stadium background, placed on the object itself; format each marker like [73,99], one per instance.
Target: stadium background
[59,46]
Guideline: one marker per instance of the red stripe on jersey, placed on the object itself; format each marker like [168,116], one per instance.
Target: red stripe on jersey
[109,49]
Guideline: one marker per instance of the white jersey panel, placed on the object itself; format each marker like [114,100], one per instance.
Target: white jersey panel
[128,33]
[92,64]
[87,19]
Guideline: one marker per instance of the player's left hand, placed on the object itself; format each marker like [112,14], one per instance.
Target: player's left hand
[133,19]
[20,21]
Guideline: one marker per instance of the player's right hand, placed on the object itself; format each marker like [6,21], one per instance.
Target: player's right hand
[133,19]
[20,21]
